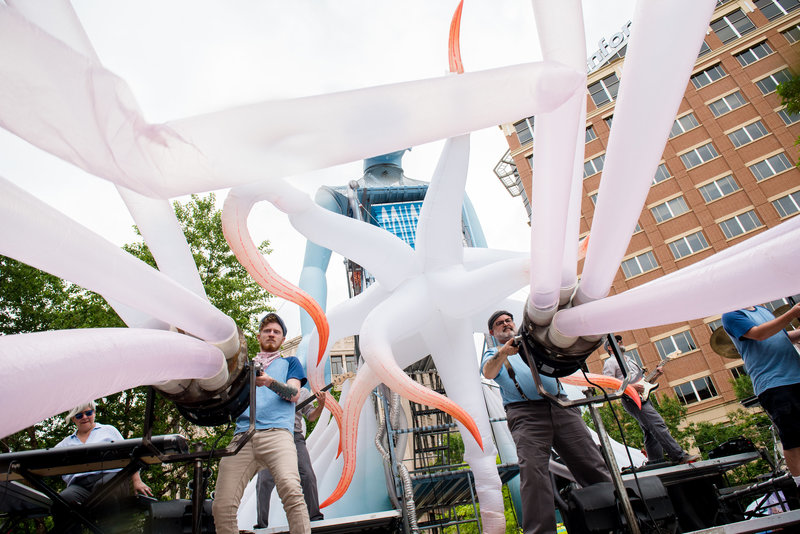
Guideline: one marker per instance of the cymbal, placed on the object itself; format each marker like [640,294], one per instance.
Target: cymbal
[722,344]
[780,310]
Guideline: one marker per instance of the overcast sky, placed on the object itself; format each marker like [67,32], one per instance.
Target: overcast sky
[183,58]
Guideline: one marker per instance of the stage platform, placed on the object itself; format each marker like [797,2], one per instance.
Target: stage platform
[678,474]
[789,519]
[388,521]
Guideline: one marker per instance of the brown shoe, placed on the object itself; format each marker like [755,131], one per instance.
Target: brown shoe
[687,458]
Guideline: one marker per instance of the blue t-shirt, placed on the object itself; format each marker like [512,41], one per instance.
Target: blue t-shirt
[524,378]
[271,410]
[770,363]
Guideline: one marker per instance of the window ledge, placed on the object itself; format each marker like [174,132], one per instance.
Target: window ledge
[701,164]
[751,142]
[784,171]
[673,217]
[745,233]
[640,274]
[689,256]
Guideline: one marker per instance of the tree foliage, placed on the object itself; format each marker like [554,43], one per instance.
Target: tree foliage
[789,91]
[34,301]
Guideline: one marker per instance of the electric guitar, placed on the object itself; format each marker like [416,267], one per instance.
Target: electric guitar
[649,387]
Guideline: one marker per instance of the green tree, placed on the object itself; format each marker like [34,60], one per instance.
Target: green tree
[789,91]
[742,387]
[754,426]
[32,301]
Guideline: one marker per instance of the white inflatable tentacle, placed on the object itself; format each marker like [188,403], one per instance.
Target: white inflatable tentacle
[461,379]
[30,368]
[653,71]
[761,273]
[439,240]
[36,234]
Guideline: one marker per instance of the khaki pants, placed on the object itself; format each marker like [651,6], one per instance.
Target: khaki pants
[272,449]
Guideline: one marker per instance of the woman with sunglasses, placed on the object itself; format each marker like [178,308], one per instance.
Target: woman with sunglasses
[81,485]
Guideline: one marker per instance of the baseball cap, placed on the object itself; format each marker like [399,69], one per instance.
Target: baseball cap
[272,318]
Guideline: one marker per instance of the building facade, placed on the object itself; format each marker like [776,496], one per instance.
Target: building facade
[727,172]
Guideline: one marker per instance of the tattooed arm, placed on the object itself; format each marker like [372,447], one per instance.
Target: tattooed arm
[290,391]
[491,368]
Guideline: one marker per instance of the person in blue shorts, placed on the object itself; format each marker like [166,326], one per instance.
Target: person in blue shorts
[773,363]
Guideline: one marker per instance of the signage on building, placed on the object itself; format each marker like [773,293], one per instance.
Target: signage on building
[400,219]
[607,49]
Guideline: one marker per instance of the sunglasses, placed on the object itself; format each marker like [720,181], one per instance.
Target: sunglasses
[87,413]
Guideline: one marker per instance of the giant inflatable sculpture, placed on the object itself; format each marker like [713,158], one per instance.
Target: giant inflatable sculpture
[56,94]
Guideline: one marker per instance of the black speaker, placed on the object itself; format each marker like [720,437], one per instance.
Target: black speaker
[732,446]
[595,509]
[175,517]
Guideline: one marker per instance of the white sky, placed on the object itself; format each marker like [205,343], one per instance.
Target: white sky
[183,58]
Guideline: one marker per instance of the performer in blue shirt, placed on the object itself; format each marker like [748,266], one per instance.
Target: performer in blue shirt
[272,446]
[773,363]
[537,425]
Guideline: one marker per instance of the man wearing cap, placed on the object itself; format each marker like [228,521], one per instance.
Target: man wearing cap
[538,426]
[272,445]
[773,364]
[657,439]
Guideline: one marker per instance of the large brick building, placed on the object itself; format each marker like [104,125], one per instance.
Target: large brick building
[727,173]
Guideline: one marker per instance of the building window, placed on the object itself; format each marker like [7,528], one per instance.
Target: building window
[524,130]
[738,371]
[593,166]
[682,341]
[695,391]
[683,125]
[732,26]
[698,156]
[753,54]
[339,367]
[529,159]
[638,228]
[688,245]
[593,198]
[609,121]
[633,354]
[747,134]
[792,34]
[705,77]
[639,264]
[713,325]
[662,173]
[770,83]
[704,49]
[719,188]
[770,166]
[727,103]
[605,90]
[669,209]
[788,118]
[740,224]
[772,9]
[590,134]
[788,205]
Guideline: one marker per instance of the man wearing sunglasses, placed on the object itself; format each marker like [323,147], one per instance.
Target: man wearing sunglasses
[537,426]
[80,486]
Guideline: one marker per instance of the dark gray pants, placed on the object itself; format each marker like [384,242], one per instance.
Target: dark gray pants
[265,484]
[657,439]
[79,491]
[538,426]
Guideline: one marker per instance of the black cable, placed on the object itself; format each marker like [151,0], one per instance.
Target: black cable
[627,452]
